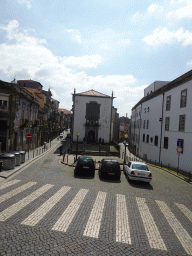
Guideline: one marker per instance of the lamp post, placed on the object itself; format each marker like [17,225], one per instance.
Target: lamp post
[126,144]
[77,144]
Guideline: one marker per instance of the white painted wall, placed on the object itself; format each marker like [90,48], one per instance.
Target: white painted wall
[167,156]
[80,113]
[154,87]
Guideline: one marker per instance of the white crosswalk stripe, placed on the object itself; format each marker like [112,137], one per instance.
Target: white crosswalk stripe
[122,222]
[66,218]
[16,191]
[185,210]
[13,209]
[178,229]
[154,237]
[8,184]
[94,222]
[36,216]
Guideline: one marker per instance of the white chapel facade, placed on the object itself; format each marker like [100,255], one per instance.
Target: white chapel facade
[92,115]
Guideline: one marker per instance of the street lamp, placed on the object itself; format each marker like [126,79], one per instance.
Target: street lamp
[77,144]
[126,144]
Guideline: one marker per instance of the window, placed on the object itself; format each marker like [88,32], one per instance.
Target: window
[183,101]
[93,111]
[151,139]
[145,110]
[147,124]
[156,140]
[144,124]
[148,109]
[182,123]
[166,141]
[143,137]
[167,120]
[147,138]
[168,103]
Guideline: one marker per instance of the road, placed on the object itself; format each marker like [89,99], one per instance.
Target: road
[44,210]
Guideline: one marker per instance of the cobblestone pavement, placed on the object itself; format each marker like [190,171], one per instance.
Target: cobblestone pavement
[45,210]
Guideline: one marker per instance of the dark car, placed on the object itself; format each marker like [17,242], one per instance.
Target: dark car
[109,167]
[85,165]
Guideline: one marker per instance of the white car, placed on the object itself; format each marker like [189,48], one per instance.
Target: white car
[137,171]
[61,135]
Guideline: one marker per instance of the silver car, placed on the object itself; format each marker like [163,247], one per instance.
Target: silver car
[137,171]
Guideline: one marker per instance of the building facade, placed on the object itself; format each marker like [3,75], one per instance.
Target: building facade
[162,121]
[92,116]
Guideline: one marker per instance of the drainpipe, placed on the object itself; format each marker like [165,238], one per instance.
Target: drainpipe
[161,120]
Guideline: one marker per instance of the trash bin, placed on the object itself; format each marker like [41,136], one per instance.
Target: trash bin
[8,160]
[22,153]
[17,157]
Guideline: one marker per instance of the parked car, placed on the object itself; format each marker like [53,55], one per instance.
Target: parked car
[85,165]
[137,171]
[109,167]
[61,135]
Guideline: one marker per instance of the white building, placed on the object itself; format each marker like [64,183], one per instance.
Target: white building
[162,121]
[92,116]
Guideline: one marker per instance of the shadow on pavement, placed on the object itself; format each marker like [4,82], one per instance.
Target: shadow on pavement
[110,179]
[140,184]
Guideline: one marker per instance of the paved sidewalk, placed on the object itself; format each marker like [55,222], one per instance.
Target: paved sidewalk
[32,156]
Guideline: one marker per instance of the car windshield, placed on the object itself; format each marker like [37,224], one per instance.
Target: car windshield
[111,162]
[140,167]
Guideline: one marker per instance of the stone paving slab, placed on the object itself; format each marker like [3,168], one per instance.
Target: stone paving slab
[33,155]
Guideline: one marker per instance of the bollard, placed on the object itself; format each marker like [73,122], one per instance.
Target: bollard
[63,156]
[74,159]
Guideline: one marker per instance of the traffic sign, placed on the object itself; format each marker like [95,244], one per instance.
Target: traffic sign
[28,136]
[179,149]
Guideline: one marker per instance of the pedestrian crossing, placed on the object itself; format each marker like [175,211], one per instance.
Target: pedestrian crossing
[123,223]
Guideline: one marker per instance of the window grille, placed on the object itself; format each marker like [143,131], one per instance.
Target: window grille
[168,103]
[147,124]
[156,140]
[166,142]
[182,123]
[144,124]
[167,121]
[183,101]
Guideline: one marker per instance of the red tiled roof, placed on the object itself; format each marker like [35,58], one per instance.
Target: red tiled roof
[93,93]
[65,111]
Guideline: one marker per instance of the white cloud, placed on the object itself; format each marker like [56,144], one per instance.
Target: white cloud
[27,57]
[168,37]
[27,2]
[189,63]
[182,12]
[152,8]
[126,41]
[84,62]
[74,35]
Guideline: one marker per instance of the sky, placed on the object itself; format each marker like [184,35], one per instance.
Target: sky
[105,45]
